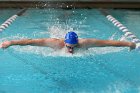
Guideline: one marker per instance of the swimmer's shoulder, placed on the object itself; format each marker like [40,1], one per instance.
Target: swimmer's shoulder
[54,43]
[59,43]
[84,43]
[54,39]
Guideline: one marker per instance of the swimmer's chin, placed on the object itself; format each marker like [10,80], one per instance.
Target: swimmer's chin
[70,52]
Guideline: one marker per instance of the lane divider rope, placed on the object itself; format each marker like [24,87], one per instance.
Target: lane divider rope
[122,28]
[10,20]
[25,61]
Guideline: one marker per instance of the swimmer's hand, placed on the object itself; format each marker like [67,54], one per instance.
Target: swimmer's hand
[132,46]
[5,44]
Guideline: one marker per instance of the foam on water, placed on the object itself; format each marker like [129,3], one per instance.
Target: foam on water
[18,36]
[44,51]
[57,32]
[116,88]
[112,37]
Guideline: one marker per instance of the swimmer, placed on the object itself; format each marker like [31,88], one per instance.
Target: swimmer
[70,42]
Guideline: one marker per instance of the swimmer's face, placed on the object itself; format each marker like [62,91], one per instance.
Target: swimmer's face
[70,47]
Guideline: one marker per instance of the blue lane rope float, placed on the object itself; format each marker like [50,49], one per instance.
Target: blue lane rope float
[122,28]
[10,20]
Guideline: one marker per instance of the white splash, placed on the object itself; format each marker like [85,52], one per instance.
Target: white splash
[105,50]
[123,38]
[45,51]
[18,36]
[56,32]
[112,37]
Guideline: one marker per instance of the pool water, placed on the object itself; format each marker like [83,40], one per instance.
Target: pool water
[33,69]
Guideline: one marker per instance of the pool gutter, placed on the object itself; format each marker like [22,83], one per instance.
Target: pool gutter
[69,4]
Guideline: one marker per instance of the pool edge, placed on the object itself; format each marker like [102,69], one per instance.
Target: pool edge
[69,4]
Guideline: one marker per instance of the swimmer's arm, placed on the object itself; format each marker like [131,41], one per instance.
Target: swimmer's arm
[103,43]
[33,42]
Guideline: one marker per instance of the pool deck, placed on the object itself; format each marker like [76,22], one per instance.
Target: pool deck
[69,4]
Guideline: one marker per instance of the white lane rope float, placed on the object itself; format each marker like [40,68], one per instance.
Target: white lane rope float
[6,25]
[25,61]
[10,20]
[122,28]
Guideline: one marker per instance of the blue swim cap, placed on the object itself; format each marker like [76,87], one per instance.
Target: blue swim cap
[71,38]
